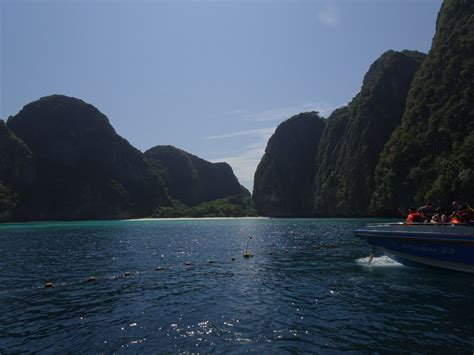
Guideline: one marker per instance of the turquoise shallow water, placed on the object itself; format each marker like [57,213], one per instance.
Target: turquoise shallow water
[308,288]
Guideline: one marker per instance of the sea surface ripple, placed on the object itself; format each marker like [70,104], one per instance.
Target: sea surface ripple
[173,287]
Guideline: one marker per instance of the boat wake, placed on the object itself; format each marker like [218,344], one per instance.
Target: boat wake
[380,261]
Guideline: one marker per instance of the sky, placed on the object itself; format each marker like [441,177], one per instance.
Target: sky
[214,78]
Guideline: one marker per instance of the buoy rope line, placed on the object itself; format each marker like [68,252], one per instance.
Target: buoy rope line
[49,284]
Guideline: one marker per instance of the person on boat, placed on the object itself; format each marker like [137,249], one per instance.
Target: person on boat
[470,215]
[456,218]
[444,218]
[456,206]
[439,216]
[413,216]
[462,216]
[426,211]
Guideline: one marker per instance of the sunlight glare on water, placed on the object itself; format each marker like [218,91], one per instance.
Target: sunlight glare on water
[184,286]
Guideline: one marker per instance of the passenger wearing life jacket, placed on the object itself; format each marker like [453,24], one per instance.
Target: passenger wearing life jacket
[456,218]
[462,216]
[426,212]
[413,216]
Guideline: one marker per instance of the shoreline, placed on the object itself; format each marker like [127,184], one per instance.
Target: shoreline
[187,218]
[151,219]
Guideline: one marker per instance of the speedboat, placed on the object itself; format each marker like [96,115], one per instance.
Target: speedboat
[445,246]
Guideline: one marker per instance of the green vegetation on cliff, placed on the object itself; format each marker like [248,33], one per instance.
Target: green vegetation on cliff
[233,206]
[355,135]
[406,138]
[430,155]
[84,169]
[16,164]
[8,201]
[190,179]
[284,179]
[16,170]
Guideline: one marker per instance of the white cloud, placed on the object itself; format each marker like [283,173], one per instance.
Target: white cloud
[282,113]
[258,132]
[329,14]
[236,112]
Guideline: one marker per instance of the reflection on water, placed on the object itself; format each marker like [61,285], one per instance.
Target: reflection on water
[173,286]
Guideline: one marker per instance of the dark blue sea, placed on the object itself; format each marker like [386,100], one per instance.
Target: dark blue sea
[172,287]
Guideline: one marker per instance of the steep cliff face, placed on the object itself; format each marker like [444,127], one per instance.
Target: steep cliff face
[16,165]
[430,155]
[193,180]
[16,171]
[355,135]
[328,162]
[84,169]
[284,179]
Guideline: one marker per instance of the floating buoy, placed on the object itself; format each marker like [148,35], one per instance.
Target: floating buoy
[247,254]
[233,258]
[48,285]
[126,274]
[92,279]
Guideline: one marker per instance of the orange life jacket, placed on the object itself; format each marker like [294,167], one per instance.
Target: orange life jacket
[413,217]
[455,220]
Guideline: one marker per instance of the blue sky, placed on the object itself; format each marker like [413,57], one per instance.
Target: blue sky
[211,77]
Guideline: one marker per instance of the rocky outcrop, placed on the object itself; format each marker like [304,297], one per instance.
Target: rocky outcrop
[84,169]
[355,135]
[284,179]
[429,156]
[16,171]
[190,179]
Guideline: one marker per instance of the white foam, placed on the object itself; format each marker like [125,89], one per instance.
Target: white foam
[380,261]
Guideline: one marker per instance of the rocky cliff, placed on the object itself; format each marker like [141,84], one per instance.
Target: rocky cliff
[430,155]
[284,179]
[16,171]
[190,179]
[355,135]
[84,169]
